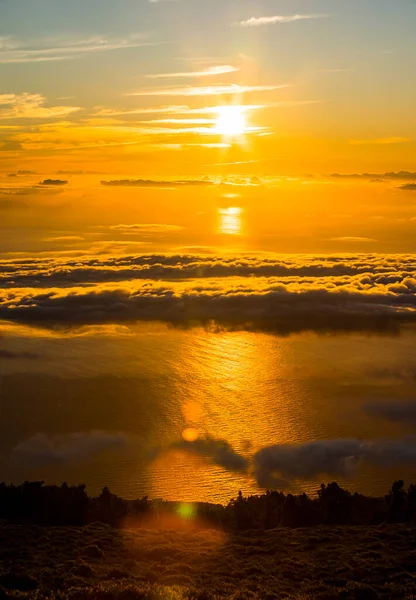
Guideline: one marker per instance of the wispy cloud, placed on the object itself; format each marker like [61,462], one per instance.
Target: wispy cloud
[110,112]
[31,106]
[156,183]
[212,90]
[180,121]
[209,72]
[146,228]
[408,187]
[64,238]
[351,238]
[256,21]
[175,109]
[14,51]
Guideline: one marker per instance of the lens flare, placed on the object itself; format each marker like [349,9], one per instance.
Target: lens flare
[186,511]
[190,434]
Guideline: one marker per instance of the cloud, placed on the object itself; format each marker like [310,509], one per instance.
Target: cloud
[28,190]
[208,72]
[213,90]
[390,175]
[31,106]
[274,466]
[10,145]
[328,458]
[256,21]
[201,121]
[219,452]
[402,412]
[13,355]
[402,373]
[146,228]
[15,51]
[53,182]
[43,449]
[267,293]
[305,461]
[408,187]
[64,238]
[268,306]
[363,272]
[70,172]
[155,183]
[177,110]
[350,238]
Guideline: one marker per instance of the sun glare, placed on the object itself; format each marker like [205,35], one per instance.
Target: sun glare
[230,121]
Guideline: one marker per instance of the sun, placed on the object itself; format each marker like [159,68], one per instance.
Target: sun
[230,121]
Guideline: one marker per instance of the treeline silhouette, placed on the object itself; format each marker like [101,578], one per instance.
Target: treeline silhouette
[51,505]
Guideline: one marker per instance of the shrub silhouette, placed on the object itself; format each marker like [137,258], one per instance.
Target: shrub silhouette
[51,505]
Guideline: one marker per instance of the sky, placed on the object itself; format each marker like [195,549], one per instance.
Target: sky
[331,82]
[296,117]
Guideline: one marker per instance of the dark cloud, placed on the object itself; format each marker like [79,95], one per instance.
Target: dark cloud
[332,458]
[306,461]
[70,172]
[152,183]
[53,182]
[402,412]
[403,373]
[43,449]
[408,187]
[276,309]
[12,355]
[366,293]
[376,176]
[275,466]
[22,173]
[10,145]
[219,452]
[366,270]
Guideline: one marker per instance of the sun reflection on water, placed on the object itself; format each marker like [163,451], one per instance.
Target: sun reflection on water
[230,220]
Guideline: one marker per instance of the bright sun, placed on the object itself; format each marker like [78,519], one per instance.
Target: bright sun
[230,120]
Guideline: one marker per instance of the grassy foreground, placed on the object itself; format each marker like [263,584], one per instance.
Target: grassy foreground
[187,562]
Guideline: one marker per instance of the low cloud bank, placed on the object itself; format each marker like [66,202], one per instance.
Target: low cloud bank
[376,269]
[275,466]
[43,449]
[275,294]
[401,412]
[329,458]
[219,452]
[269,306]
